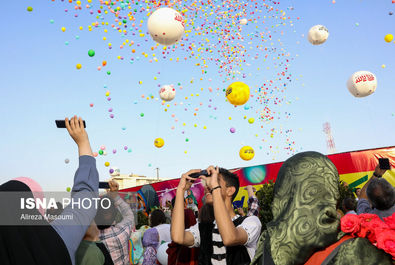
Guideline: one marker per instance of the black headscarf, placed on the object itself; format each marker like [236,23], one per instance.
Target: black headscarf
[34,244]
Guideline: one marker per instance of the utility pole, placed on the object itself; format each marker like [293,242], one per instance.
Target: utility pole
[157,173]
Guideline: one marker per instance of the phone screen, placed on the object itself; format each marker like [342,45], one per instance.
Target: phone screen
[384,163]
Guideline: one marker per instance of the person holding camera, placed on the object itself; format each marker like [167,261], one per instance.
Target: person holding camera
[230,239]
[377,196]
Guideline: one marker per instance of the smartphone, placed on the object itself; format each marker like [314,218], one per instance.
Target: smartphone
[198,174]
[384,163]
[62,124]
[103,185]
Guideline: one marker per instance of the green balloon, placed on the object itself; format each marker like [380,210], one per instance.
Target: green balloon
[29,8]
[68,189]
[108,72]
[141,114]
[100,152]
[91,53]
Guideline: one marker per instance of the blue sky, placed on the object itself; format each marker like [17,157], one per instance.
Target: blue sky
[39,84]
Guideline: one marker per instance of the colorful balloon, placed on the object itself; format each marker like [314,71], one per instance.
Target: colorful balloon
[107,164]
[78,66]
[389,37]
[29,8]
[67,160]
[318,34]
[166,26]
[251,120]
[159,142]
[91,53]
[68,189]
[238,93]
[243,21]
[167,93]
[247,153]
[362,84]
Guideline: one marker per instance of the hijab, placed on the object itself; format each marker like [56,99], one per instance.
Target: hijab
[35,242]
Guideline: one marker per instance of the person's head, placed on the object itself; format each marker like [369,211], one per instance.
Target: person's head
[358,192]
[206,213]
[381,194]
[229,183]
[190,200]
[105,215]
[151,238]
[157,217]
[304,208]
[348,204]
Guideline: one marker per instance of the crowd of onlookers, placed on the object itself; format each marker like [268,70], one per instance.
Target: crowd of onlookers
[220,232]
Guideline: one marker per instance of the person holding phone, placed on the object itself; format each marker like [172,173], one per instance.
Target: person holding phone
[230,239]
[39,242]
[377,195]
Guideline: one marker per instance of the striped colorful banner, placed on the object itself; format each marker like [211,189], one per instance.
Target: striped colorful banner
[354,168]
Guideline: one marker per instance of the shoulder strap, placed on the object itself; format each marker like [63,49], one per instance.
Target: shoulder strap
[323,257]
[239,220]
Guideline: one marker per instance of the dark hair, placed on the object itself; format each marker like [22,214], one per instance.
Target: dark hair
[105,217]
[349,204]
[206,214]
[231,180]
[157,217]
[355,191]
[381,194]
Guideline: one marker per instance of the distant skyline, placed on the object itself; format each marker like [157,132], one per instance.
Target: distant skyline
[40,83]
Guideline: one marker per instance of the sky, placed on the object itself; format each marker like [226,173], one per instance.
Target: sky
[40,83]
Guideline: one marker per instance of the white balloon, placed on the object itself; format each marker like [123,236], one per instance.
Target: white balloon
[104,152]
[318,34]
[166,26]
[362,84]
[243,21]
[67,160]
[161,254]
[167,92]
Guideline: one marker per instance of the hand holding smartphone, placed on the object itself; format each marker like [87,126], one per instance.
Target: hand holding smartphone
[384,163]
[62,124]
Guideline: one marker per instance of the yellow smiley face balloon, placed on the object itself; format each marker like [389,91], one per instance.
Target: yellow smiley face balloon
[247,153]
[238,93]
[159,142]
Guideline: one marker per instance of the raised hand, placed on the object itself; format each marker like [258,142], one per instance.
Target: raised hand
[76,129]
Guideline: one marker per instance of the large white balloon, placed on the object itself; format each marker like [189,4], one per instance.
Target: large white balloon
[243,21]
[167,93]
[166,26]
[318,34]
[161,254]
[362,84]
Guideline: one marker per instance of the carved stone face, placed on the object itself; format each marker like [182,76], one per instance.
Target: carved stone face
[304,207]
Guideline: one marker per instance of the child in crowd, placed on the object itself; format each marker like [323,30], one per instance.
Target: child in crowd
[150,243]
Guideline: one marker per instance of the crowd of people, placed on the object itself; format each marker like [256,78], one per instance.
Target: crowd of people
[304,229]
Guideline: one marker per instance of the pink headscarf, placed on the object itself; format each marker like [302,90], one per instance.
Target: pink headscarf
[34,187]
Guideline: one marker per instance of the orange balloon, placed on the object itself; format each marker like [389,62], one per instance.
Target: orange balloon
[104,63]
